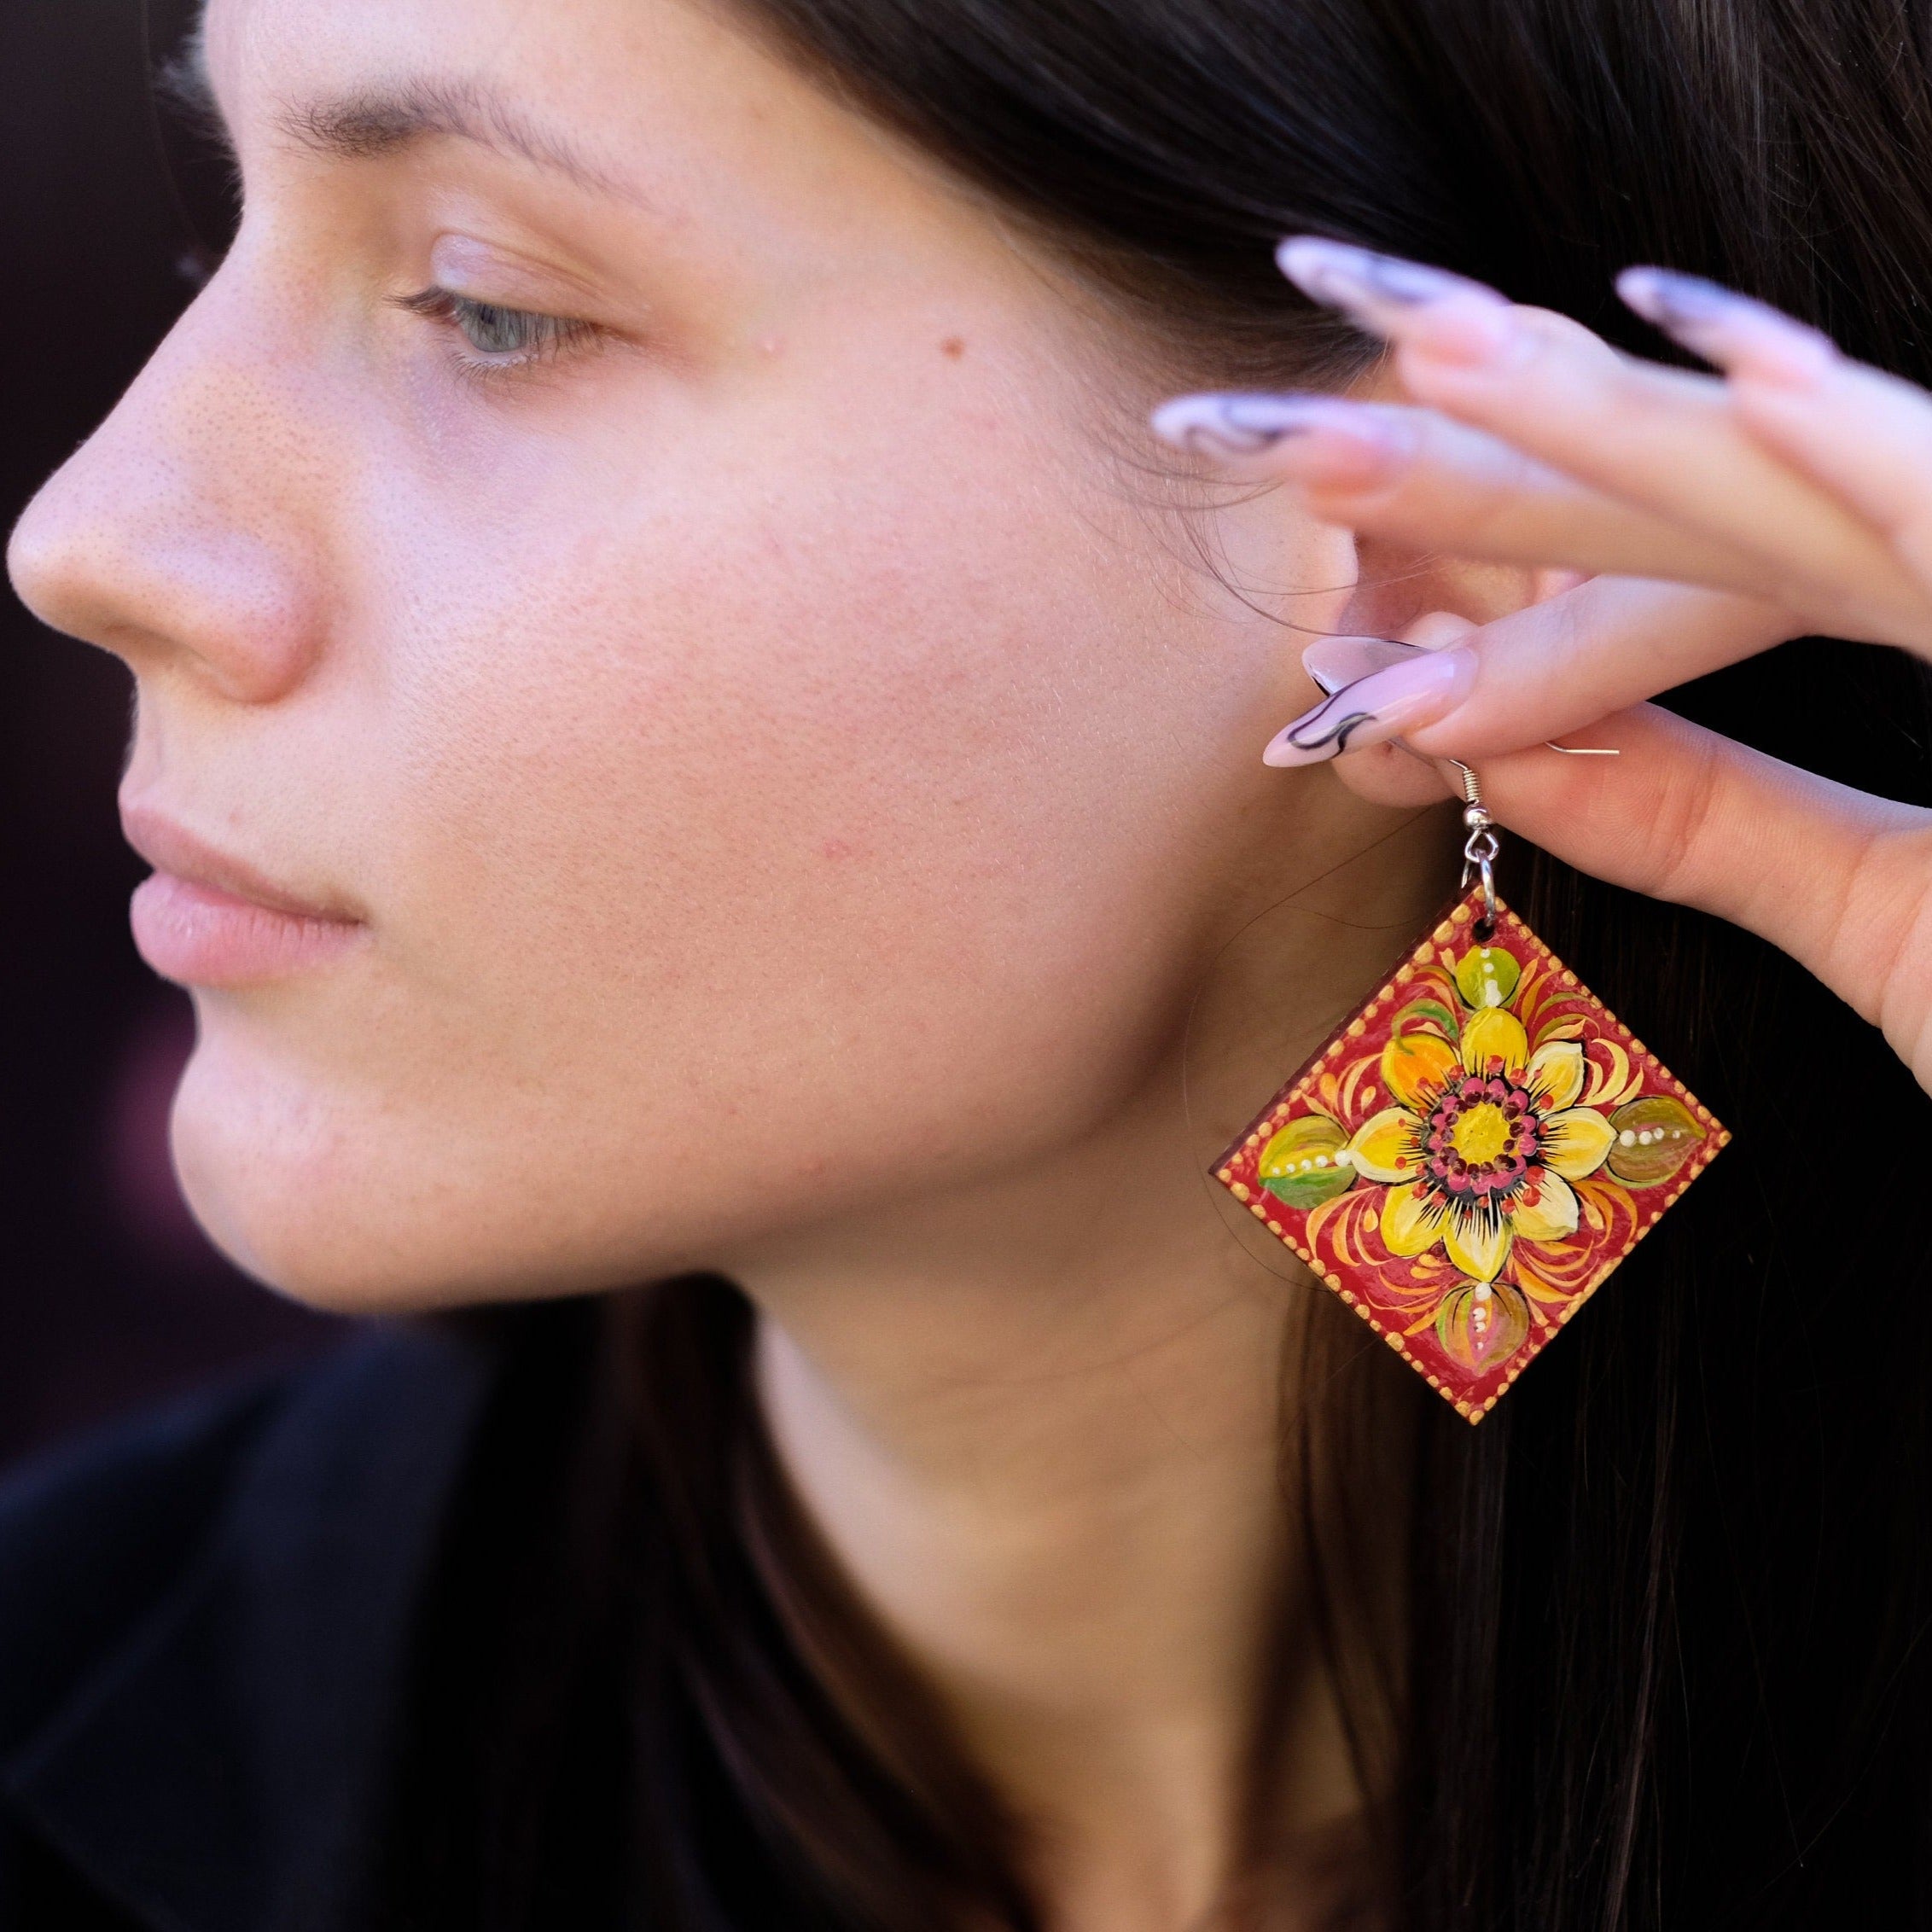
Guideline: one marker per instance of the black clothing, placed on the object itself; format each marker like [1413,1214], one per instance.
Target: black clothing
[464,1630]
[205,1619]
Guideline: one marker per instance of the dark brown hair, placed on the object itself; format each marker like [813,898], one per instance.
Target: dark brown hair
[1662,1659]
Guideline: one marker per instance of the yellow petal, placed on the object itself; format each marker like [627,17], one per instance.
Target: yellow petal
[1478,1240]
[1555,1073]
[1414,1065]
[1385,1148]
[1545,1209]
[1575,1140]
[1494,1034]
[1411,1221]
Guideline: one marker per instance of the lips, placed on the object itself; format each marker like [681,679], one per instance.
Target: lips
[208,918]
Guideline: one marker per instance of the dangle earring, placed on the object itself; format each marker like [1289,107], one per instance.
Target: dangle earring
[1474,1149]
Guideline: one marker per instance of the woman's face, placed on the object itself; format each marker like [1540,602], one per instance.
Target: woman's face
[626,784]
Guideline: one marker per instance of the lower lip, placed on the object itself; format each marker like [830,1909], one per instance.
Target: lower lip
[200,937]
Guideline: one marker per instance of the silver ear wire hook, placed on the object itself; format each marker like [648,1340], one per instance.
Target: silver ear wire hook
[1481,849]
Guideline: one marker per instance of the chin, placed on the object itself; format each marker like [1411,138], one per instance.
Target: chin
[343,1207]
[276,1216]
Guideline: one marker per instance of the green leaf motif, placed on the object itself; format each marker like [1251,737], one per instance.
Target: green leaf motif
[1654,1137]
[1433,1011]
[1486,975]
[1300,1167]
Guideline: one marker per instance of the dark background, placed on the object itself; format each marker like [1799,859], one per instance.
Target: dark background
[110,212]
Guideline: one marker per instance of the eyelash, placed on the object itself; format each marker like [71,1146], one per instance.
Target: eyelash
[534,338]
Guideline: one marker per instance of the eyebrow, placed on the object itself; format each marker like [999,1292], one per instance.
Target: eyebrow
[370,123]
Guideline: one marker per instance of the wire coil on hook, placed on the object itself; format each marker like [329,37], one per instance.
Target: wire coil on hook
[1481,849]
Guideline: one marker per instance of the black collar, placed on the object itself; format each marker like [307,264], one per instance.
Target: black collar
[220,1770]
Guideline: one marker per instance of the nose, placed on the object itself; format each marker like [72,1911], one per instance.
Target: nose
[181,536]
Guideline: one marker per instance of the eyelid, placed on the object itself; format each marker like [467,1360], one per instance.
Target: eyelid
[448,305]
[439,303]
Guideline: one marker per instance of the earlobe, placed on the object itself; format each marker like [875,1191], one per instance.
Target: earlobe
[1388,773]
[1404,688]
[1403,600]
[1547,584]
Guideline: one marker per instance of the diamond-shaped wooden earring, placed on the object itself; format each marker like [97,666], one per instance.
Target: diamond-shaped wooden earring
[1472,1153]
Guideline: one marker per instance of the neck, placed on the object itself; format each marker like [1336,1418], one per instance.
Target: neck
[1037,1421]
[1060,1494]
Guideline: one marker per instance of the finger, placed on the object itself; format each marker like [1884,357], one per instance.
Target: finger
[1835,878]
[1535,674]
[1549,670]
[1667,441]
[1415,476]
[1863,434]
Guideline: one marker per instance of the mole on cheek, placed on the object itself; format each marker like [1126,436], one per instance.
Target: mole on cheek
[953,346]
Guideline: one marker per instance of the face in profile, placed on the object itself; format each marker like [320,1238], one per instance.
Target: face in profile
[662,716]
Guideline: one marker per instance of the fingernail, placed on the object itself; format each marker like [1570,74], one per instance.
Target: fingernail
[1333,662]
[1375,708]
[1345,276]
[1444,315]
[1735,333]
[1303,439]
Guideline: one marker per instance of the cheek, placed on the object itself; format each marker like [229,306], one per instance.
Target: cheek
[732,859]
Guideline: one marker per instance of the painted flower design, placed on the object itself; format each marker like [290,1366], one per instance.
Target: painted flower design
[1482,1143]
[1467,1158]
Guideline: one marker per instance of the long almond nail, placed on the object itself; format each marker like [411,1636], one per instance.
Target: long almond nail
[1374,709]
[1313,439]
[1229,426]
[1445,315]
[1734,332]
[1346,277]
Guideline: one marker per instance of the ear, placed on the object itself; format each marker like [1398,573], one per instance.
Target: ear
[1390,774]
[1291,579]
[1432,601]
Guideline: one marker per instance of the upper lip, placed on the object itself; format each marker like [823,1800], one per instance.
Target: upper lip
[170,848]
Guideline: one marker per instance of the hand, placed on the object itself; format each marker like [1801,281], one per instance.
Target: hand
[1709,516]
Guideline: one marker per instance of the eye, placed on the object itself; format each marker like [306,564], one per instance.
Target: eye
[505,337]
